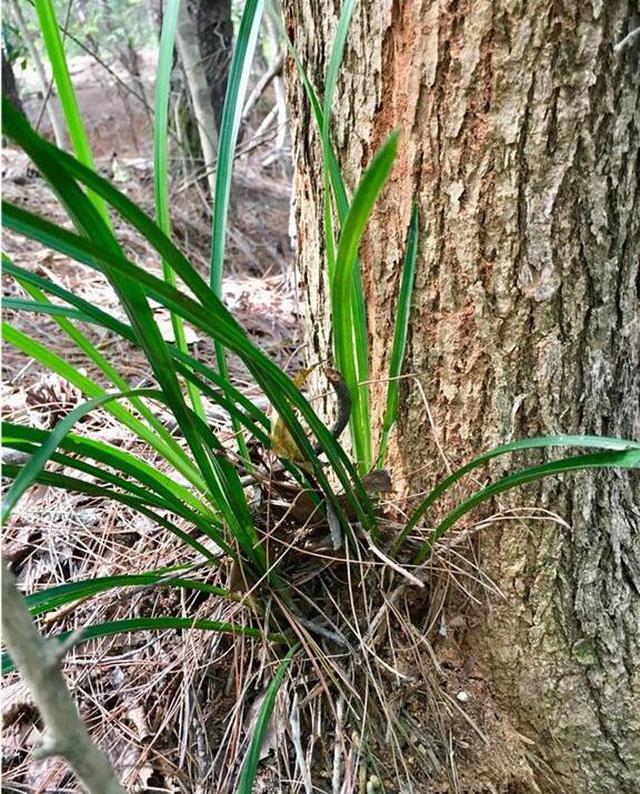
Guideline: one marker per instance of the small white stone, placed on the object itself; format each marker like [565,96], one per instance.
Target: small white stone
[463,696]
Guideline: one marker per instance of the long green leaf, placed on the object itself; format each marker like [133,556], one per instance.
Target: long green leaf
[55,363]
[17,128]
[36,464]
[160,165]
[95,355]
[52,309]
[628,459]
[68,100]
[332,176]
[93,314]
[250,766]
[329,158]
[136,305]
[576,441]
[74,484]
[161,117]
[184,369]
[350,237]
[400,331]
[239,73]
[140,478]
[215,320]
[335,59]
[55,597]
[152,624]
[331,171]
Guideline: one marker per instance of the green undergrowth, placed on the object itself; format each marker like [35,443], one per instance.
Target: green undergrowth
[202,483]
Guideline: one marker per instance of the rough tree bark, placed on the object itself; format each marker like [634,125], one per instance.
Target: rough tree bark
[188,47]
[208,33]
[9,85]
[205,42]
[521,142]
[215,38]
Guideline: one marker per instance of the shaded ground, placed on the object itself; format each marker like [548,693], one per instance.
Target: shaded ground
[145,714]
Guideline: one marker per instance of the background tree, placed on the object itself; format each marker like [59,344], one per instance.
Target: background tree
[9,86]
[29,40]
[204,42]
[215,40]
[12,50]
[520,141]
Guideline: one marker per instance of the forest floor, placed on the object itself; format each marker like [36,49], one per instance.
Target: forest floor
[141,712]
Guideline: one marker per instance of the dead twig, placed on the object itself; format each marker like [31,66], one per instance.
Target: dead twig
[261,86]
[65,734]
[626,41]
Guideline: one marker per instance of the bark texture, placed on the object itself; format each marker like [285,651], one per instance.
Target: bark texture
[521,142]
[215,40]
[9,85]
[204,42]
[188,46]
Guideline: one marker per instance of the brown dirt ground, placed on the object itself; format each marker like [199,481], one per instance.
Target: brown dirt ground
[53,536]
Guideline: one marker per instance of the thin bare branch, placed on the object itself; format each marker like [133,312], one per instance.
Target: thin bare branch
[64,734]
[265,81]
[626,41]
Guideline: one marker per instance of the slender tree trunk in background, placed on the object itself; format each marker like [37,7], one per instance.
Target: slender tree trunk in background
[204,42]
[207,39]
[56,123]
[188,47]
[215,39]
[520,141]
[278,86]
[9,85]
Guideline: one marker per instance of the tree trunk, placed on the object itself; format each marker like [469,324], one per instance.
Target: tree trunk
[56,124]
[215,39]
[204,42]
[9,85]
[187,43]
[520,141]
[207,32]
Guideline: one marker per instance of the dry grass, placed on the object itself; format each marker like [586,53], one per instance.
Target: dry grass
[375,695]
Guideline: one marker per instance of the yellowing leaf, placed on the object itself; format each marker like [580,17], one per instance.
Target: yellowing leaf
[282,441]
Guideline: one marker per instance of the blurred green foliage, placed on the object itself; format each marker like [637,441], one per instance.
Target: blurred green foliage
[104,26]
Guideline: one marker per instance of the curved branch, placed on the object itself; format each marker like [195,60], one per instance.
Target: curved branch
[38,661]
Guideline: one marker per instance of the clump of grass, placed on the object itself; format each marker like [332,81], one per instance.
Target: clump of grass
[217,500]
